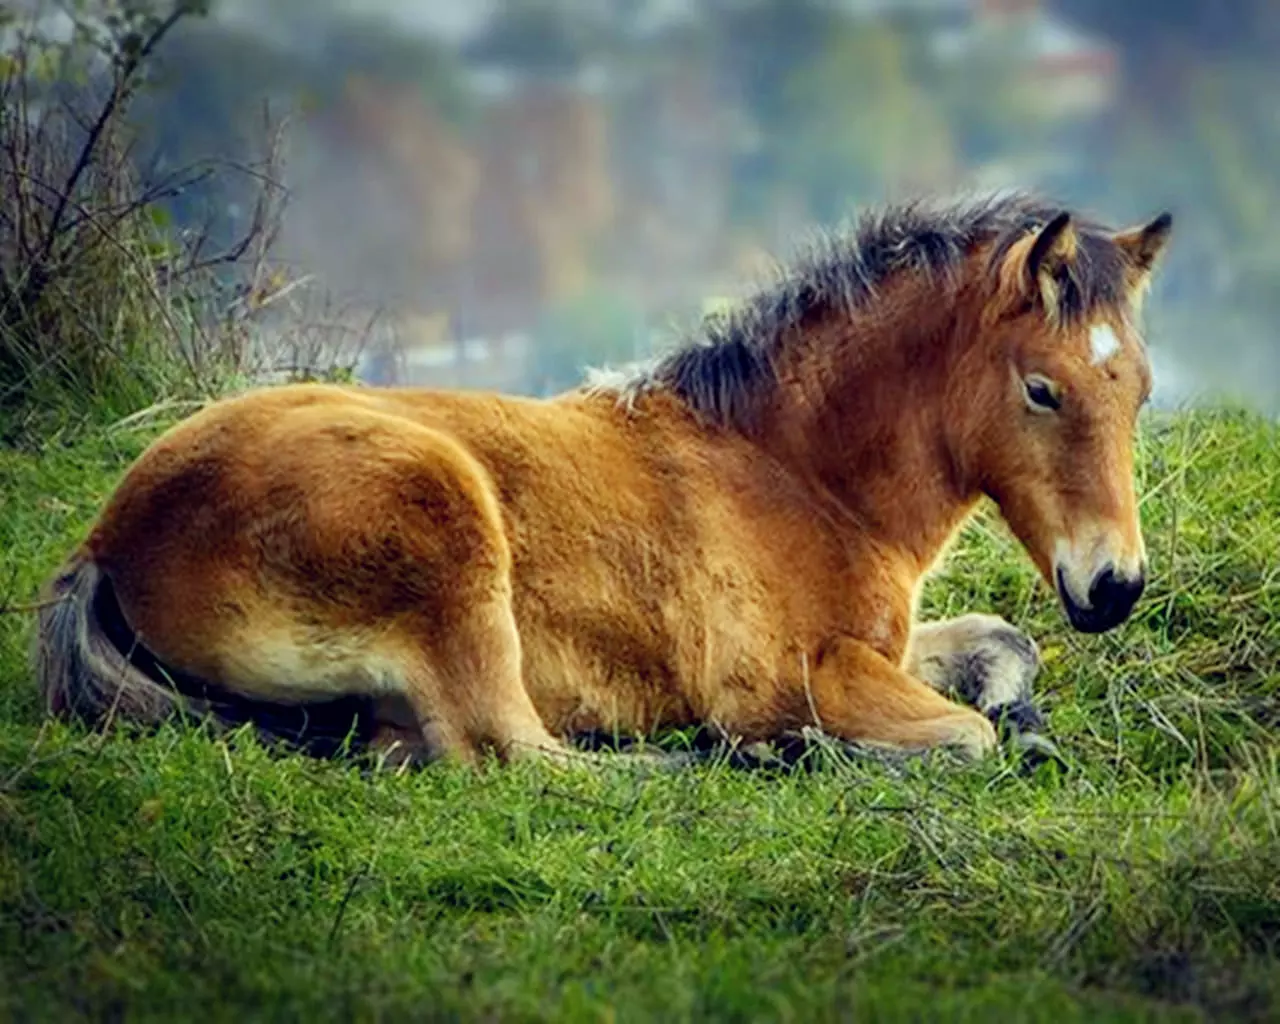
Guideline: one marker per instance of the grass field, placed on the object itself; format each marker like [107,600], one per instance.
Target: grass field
[178,875]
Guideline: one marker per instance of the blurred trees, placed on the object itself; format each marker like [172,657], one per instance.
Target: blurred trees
[214,77]
[1196,129]
[599,327]
[830,111]
[573,145]
[1200,77]
[534,37]
[1159,34]
[758,47]
[857,126]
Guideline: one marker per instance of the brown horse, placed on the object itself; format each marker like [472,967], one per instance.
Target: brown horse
[735,535]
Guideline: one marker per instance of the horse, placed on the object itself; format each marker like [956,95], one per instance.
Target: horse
[732,535]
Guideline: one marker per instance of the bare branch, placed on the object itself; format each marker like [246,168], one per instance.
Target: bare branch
[129,67]
[96,291]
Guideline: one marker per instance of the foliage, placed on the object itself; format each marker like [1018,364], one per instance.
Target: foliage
[534,37]
[1214,164]
[1151,30]
[986,97]
[856,126]
[159,876]
[213,79]
[760,46]
[103,307]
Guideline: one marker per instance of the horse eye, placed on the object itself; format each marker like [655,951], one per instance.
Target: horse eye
[1041,394]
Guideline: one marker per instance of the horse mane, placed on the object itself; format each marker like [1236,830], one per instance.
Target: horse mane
[721,370]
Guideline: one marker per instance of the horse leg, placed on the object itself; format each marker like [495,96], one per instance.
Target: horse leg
[859,695]
[467,693]
[981,660]
[397,739]
[465,687]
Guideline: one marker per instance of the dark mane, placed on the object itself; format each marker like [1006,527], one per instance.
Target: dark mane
[721,370]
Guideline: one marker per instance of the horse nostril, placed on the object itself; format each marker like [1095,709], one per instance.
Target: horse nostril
[1110,591]
[1102,589]
[1111,598]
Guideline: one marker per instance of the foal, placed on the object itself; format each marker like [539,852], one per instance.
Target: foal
[735,535]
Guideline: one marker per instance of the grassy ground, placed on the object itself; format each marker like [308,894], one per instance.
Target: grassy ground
[173,874]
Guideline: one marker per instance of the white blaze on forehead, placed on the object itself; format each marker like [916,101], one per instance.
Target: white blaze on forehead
[1103,343]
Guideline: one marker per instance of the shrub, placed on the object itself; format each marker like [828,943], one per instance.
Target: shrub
[105,305]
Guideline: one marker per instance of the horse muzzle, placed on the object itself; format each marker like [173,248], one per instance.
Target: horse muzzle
[1109,602]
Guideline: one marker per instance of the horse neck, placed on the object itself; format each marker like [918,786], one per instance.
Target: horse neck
[861,411]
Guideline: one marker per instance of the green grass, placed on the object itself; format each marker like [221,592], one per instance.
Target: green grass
[175,874]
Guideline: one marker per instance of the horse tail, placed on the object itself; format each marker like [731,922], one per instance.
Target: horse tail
[80,669]
[91,665]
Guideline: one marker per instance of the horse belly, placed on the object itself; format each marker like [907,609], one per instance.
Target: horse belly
[578,685]
[292,664]
[257,645]
[608,666]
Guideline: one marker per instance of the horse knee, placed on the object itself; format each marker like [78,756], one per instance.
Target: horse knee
[972,735]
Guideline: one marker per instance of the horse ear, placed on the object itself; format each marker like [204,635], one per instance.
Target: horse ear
[1054,245]
[1142,248]
[1144,245]
[1030,270]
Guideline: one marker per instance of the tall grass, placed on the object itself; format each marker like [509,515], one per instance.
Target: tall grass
[178,874]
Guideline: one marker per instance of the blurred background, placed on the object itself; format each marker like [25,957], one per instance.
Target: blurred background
[495,193]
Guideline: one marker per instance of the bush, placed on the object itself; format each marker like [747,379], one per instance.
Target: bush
[106,307]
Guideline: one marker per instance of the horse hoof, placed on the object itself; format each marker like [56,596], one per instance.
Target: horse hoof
[1035,749]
